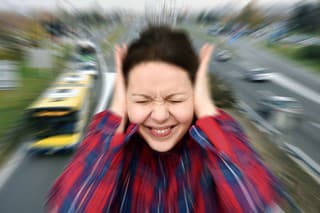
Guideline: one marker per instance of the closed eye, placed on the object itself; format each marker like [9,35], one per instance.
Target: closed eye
[142,102]
[175,101]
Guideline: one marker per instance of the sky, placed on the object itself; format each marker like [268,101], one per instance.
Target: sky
[137,5]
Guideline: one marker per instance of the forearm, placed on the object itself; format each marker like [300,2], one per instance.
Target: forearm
[118,110]
[206,109]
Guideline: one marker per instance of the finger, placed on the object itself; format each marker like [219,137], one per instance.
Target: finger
[204,57]
[118,58]
[206,52]
[120,51]
[123,46]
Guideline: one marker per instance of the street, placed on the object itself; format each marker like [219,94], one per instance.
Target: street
[25,190]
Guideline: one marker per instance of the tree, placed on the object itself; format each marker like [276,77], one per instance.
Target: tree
[306,17]
[36,34]
[208,17]
[250,15]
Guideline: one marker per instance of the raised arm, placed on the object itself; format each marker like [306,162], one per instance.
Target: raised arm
[203,103]
[118,104]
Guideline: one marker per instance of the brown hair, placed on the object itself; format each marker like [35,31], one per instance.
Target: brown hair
[161,43]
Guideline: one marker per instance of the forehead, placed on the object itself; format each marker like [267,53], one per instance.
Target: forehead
[158,76]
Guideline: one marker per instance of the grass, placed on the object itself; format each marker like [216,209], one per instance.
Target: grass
[292,52]
[14,102]
[33,82]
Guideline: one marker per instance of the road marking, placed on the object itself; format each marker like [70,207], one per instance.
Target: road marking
[295,86]
[13,163]
[303,160]
[307,163]
[317,125]
[254,116]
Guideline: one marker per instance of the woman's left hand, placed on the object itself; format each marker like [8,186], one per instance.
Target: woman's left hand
[203,104]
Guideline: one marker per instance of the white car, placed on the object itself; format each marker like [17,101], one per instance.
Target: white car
[223,55]
[89,69]
[87,63]
[281,111]
[257,74]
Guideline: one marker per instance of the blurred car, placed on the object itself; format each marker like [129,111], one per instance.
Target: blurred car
[214,31]
[282,110]
[257,74]
[85,47]
[90,69]
[87,63]
[223,55]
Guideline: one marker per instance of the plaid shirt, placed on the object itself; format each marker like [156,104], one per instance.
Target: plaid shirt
[212,169]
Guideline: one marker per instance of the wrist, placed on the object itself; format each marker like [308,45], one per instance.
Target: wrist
[118,109]
[123,121]
[208,109]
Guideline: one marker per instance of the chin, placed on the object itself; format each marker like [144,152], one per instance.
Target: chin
[160,146]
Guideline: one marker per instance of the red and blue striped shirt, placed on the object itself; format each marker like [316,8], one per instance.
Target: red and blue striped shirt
[212,169]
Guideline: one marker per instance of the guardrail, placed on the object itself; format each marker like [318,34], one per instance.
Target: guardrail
[275,136]
[292,150]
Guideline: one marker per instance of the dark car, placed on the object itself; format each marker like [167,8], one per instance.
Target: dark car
[257,74]
[223,55]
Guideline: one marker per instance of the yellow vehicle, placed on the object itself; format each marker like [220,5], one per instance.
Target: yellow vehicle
[74,79]
[58,118]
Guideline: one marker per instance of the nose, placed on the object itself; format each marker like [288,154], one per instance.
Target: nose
[160,113]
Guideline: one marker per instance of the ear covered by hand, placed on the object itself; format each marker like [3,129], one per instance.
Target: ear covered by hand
[203,104]
[118,104]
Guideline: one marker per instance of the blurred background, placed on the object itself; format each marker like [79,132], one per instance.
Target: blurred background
[57,70]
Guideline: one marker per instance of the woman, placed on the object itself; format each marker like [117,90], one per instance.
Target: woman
[163,146]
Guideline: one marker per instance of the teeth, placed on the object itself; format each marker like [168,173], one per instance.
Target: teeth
[161,131]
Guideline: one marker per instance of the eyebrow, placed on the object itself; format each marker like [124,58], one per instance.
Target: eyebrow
[149,97]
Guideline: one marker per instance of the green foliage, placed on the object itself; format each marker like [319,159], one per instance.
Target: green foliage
[207,17]
[250,15]
[11,54]
[300,55]
[310,52]
[36,34]
[11,45]
[306,17]
[33,83]
[221,93]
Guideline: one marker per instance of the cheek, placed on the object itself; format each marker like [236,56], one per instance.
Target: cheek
[183,113]
[137,114]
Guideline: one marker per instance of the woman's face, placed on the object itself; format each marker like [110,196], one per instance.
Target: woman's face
[160,101]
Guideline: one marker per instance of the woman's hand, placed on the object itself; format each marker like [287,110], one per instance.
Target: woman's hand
[204,106]
[118,104]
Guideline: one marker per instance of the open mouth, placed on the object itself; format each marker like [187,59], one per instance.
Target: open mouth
[161,131]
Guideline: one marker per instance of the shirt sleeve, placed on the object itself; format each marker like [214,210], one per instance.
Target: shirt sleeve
[240,175]
[102,125]
[100,140]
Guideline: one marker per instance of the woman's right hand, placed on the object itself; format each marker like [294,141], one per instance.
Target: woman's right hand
[118,104]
